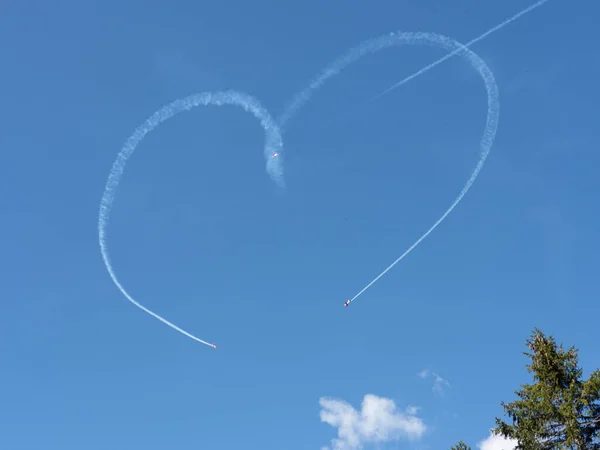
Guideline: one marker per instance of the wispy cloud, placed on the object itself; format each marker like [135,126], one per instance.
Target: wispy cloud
[412,410]
[438,382]
[378,421]
[493,442]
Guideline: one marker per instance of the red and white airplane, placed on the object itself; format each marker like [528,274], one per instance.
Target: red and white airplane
[347,302]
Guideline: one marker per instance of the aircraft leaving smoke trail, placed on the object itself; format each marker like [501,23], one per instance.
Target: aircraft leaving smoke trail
[400,38]
[394,39]
[273,146]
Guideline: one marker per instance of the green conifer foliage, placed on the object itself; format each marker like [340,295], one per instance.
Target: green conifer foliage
[559,411]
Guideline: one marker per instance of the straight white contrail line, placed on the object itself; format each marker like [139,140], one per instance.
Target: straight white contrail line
[458,50]
[297,102]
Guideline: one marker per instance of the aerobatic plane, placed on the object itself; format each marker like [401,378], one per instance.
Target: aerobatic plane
[347,302]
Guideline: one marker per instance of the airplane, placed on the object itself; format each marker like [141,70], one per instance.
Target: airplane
[347,302]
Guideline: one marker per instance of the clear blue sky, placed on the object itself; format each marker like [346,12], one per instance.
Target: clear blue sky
[200,234]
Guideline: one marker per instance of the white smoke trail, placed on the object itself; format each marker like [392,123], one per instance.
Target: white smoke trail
[400,38]
[273,146]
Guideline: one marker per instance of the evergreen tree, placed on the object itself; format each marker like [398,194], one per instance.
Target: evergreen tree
[559,411]
[460,446]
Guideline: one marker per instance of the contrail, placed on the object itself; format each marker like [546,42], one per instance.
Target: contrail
[395,39]
[468,44]
[273,146]
[334,68]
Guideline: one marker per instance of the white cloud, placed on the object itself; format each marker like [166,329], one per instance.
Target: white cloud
[412,410]
[493,442]
[438,382]
[378,421]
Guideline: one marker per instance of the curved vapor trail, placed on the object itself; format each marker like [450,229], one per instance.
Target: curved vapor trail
[274,168]
[401,38]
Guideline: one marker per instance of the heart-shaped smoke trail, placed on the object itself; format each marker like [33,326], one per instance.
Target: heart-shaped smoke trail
[273,146]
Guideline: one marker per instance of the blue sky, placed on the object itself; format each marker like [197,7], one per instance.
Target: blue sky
[200,234]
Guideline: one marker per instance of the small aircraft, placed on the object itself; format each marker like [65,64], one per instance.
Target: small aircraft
[347,302]
[275,155]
